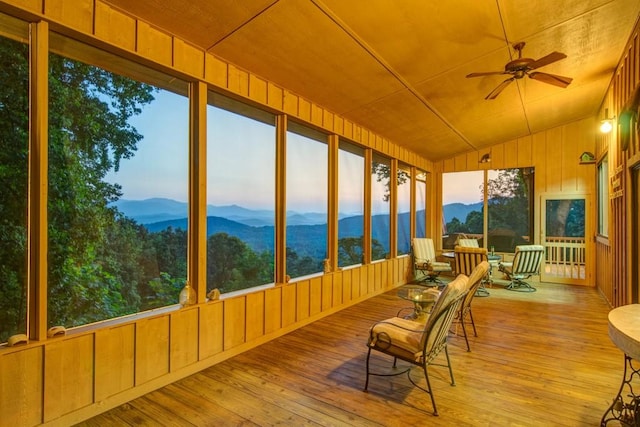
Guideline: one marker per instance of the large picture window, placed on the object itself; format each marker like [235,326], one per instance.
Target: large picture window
[462,206]
[421,204]
[380,206]
[14,155]
[118,186]
[307,200]
[350,204]
[603,197]
[403,182]
[240,195]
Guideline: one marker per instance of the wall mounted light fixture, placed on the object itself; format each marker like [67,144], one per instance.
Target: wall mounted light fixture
[606,124]
[486,158]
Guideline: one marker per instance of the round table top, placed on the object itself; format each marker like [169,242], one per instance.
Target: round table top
[624,329]
[418,294]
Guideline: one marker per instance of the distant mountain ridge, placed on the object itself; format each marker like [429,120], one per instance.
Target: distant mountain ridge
[459,210]
[149,211]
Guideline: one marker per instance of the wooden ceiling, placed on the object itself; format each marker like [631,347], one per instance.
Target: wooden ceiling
[398,67]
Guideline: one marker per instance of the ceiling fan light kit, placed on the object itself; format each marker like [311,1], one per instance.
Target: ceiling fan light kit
[520,67]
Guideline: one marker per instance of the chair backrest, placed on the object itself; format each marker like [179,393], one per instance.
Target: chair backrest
[475,279]
[467,258]
[468,243]
[423,250]
[442,315]
[527,260]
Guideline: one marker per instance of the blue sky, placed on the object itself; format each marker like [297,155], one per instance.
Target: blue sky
[241,169]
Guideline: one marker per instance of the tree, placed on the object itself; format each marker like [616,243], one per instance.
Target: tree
[14,155]
[350,250]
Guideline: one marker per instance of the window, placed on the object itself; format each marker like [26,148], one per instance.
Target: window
[118,187]
[380,208]
[350,204]
[510,194]
[240,195]
[462,206]
[307,200]
[404,209]
[14,131]
[421,204]
[603,197]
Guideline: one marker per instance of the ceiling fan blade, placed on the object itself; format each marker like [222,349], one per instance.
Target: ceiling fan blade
[552,79]
[546,60]
[494,93]
[488,73]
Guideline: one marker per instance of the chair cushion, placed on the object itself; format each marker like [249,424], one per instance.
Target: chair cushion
[404,334]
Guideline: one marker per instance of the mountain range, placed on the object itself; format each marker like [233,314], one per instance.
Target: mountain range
[305,231]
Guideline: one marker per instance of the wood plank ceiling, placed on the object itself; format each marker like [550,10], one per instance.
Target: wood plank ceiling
[398,67]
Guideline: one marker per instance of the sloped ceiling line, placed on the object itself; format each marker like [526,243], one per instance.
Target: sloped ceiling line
[248,21]
[344,27]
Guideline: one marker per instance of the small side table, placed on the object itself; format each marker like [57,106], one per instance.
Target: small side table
[422,298]
[624,331]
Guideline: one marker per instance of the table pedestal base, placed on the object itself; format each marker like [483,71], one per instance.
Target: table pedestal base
[625,413]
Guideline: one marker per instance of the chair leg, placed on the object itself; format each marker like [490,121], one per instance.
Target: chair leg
[366,383]
[446,353]
[429,390]
[464,332]
[475,333]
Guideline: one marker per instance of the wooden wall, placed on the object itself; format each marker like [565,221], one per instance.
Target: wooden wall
[63,380]
[616,265]
[555,155]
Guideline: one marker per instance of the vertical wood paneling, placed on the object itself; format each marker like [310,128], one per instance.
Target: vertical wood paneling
[539,149]
[304,109]
[302,300]
[188,58]
[336,291]
[327,291]
[114,360]
[152,348]
[68,377]
[234,322]
[30,5]
[554,159]
[77,14]
[115,27]
[255,315]
[183,348]
[257,89]
[290,102]
[315,296]
[497,156]
[347,293]
[21,390]
[525,150]
[154,44]
[288,304]
[238,81]
[273,309]
[275,96]
[211,330]
[510,154]
[215,71]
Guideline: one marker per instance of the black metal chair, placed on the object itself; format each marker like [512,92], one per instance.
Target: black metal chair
[418,343]
[526,263]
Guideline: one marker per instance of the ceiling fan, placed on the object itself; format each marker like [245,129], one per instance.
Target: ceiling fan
[520,67]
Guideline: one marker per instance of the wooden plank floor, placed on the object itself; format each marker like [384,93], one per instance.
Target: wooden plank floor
[540,359]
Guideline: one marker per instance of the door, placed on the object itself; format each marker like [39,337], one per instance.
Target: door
[564,230]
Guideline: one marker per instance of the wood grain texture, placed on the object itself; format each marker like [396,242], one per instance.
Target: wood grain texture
[539,359]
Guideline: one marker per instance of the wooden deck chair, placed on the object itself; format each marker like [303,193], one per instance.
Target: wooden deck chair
[467,258]
[418,343]
[526,263]
[476,277]
[424,261]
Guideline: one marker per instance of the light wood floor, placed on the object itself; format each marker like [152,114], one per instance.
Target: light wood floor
[540,359]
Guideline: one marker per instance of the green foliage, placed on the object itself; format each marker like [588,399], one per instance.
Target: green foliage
[350,250]
[233,265]
[14,131]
